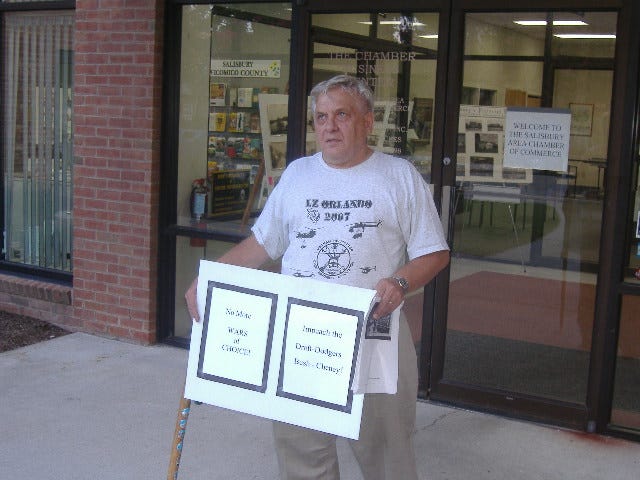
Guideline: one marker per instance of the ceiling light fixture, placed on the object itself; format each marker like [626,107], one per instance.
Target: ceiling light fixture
[414,23]
[433,35]
[531,23]
[570,23]
[585,35]
[534,23]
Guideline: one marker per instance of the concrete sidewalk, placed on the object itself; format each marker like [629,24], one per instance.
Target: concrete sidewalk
[84,407]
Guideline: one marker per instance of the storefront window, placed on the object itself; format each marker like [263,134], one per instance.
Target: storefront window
[233,122]
[37,130]
[396,54]
[527,226]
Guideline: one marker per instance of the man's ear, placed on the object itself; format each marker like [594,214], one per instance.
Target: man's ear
[368,118]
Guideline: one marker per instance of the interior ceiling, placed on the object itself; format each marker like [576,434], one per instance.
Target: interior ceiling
[597,22]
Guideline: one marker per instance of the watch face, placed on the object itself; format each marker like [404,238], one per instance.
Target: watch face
[402,282]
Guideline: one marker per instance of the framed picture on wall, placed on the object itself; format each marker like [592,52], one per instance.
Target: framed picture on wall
[481,166]
[278,152]
[278,118]
[421,117]
[581,118]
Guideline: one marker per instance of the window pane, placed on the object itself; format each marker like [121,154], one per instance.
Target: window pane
[398,61]
[233,118]
[38,138]
[574,34]
[595,38]
[230,60]
[494,34]
[633,270]
[525,246]
[355,23]
[626,394]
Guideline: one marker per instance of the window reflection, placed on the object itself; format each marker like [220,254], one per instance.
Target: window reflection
[233,93]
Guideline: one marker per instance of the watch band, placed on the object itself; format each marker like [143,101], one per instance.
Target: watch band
[403,283]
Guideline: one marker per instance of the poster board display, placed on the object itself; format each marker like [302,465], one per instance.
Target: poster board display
[234,129]
[481,141]
[281,347]
[274,118]
[421,115]
[387,132]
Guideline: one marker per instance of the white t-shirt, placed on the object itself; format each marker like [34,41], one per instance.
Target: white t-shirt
[352,226]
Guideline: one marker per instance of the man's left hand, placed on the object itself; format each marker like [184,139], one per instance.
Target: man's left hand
[390,296]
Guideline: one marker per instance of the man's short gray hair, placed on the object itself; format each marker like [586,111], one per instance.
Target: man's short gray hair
[355,86]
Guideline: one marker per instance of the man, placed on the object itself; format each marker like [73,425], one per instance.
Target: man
[351,216]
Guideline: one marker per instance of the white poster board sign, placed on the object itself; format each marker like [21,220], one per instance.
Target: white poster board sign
[537,138]
[279,347]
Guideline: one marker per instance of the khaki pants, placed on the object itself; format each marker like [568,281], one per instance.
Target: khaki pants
[385,448]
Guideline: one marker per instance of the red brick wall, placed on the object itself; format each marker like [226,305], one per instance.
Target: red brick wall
[42,300]
[117,98]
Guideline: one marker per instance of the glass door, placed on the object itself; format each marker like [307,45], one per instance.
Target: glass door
[625,407]
[398,53]
[531,138]
[510,324]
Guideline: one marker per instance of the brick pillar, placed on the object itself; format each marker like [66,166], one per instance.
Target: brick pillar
[117,99]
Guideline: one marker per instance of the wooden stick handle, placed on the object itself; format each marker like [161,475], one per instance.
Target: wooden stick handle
[178,437]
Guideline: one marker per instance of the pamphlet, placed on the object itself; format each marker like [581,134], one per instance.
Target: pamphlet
[245,97]
[217,93]
[217,121]
[377,364]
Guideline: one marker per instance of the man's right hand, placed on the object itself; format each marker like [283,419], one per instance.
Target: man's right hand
[192,300]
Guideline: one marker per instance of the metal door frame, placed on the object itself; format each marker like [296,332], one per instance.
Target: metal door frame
[594,413]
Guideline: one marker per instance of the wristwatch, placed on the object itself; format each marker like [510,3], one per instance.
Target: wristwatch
[403,283]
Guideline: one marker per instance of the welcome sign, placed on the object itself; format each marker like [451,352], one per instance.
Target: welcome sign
[537,138]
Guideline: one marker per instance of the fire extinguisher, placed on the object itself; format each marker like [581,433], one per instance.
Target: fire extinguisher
[198,199]
[198,206]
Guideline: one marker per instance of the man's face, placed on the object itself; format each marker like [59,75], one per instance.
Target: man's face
[342,125]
